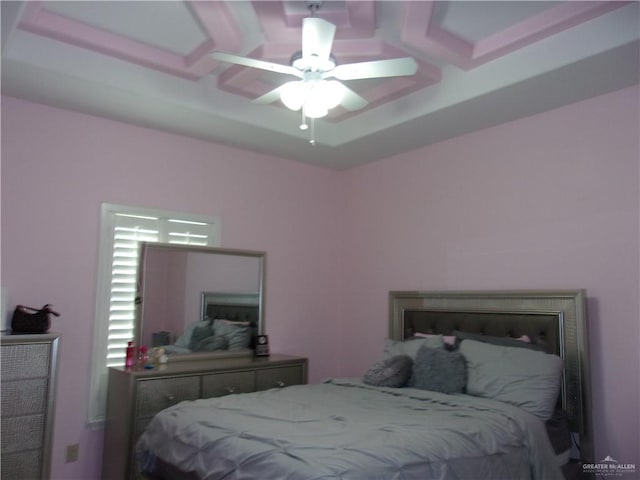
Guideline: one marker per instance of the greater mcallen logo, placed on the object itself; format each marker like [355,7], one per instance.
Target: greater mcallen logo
[609,467]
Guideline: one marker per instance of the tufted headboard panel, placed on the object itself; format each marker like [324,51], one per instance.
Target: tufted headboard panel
[235,313]
[542,329]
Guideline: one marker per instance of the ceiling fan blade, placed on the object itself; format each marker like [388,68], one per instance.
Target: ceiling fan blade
[317,37]
[269,97]
[395,67]
[255,63]
[352,101]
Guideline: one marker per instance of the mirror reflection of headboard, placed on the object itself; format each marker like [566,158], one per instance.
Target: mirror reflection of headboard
[175,281]
[236,307]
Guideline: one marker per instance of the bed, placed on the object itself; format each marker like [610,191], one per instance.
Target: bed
[420,426]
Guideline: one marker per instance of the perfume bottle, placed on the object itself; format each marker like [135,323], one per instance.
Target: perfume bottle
[130,356]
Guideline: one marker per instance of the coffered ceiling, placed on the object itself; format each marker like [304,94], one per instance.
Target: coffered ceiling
[480,63]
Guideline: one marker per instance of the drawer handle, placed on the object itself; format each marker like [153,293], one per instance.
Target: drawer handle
[280,384]
[170,397]
[231,389]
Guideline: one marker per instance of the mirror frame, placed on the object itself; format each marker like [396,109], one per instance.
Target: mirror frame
[139,310]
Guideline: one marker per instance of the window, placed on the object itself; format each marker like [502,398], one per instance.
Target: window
[122,230]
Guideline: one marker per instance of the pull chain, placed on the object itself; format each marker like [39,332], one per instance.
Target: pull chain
[303,123]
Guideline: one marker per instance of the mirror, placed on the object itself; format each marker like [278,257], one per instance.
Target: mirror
[199,302]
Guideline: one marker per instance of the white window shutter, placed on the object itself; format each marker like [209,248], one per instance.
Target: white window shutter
[122,230]
[128,232]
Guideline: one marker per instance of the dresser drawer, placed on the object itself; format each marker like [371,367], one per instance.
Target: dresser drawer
[221,384]
[21,465]
[21,433]
[279,377]
[23,397]
[158,394]
[25,361]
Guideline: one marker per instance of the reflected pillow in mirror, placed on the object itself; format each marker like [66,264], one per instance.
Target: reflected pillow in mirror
[392,372]
[198,335]
[238,334]
[185,339]
[212,344]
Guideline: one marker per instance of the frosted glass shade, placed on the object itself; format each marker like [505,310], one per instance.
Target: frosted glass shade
[293,94]
[317,96]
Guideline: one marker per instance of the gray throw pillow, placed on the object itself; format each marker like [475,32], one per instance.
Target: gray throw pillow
[212,344]
[199,334]
[185,339]
[392,372]
[439,370]
[238,334]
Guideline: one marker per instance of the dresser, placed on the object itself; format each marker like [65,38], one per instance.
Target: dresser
[135,396]
[28,364]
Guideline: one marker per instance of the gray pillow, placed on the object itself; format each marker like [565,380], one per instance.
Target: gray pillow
[439,370]
[198,334]
[524,378]
[185,339]
[238,334]
[212,344]
[411,346]
[391,372]
[503,341]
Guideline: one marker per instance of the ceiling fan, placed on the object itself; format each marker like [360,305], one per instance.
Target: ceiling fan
[315,93]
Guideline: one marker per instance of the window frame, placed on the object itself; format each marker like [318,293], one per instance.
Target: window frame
[108,222]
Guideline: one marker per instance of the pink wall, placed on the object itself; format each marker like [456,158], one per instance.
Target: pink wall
[551,201]
[57,168]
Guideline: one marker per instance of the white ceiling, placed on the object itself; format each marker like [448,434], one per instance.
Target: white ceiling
[480,64]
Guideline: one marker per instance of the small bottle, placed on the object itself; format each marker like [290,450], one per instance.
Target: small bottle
[143,357]
[130,360]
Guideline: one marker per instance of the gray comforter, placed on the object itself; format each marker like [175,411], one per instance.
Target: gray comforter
[344,429]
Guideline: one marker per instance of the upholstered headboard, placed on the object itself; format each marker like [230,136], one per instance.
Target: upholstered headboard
[237,307]
[235,313]
[554,320]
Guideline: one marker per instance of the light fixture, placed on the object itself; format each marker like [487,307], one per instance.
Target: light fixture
[316,96]
[313,96]
[312,93]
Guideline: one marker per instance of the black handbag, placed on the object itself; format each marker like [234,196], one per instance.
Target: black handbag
[32,320]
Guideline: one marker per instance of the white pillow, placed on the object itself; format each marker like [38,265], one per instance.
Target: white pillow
[525,378]
[410,347]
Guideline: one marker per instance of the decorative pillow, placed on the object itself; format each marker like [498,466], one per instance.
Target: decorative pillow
[439,370]
[198,334]
[410,347]
[525,378]
[185,339]
[238,334]
[391,372]
[212,344]
[521,342]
